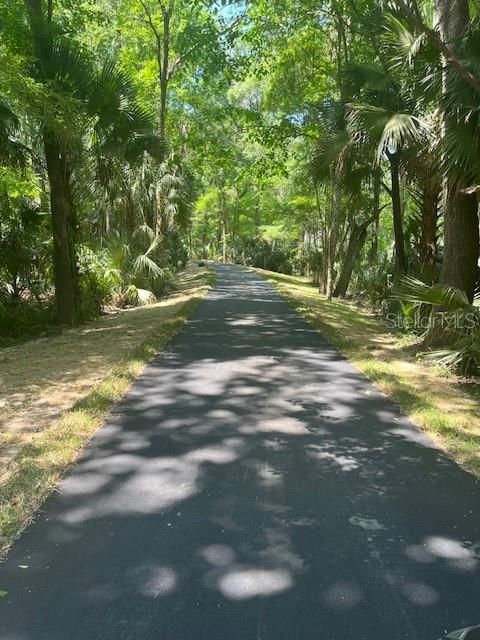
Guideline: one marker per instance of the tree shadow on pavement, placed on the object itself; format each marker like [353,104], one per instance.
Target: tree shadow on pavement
[252,485]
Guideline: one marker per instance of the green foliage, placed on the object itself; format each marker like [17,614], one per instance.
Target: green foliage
[124,265]
[263,133]
[416,291]
[270,255]
[136,297]
[23,319]
[372,286]
[453,319]
[98,282]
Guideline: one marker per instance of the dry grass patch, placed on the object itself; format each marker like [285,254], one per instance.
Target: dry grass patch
[447,408]
[57,391]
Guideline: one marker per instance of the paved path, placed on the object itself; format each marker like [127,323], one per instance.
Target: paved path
[251,486]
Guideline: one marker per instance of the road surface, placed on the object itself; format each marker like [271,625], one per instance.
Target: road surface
[252,485]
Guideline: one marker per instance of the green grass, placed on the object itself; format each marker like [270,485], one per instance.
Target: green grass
[445,407]
[42,460]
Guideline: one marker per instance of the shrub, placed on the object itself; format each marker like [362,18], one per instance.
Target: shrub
[24,319]
[453,331]
[98,282]
[137,297]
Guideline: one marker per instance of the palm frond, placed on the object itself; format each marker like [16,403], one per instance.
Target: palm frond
[70,69]
[122,125]
[417,292]
[155,145]
[145,231]
[464,360]
[403,43]
[143,264]
[138,297]
[12,150]
[331,154]
[460,159]
[357,76]
[389,131]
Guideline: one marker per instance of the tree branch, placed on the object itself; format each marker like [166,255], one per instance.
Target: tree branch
[387,188]
[157,35]
[150,22]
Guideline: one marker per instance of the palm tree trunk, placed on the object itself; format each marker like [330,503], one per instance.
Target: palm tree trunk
[428,241]
[377,183]
[333,236]
[65,271]
[400,259]
[223,222]
[320,279]
[356,243]
[461,241]
[130,215]
[461,235]
[61,203]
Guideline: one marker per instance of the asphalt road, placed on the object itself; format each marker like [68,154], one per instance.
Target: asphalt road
[251,486]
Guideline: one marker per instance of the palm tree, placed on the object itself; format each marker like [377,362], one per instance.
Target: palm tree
[122,145]
[461,243]
[425,188]
[455,38]
[104,101]
[386,117]
[131,264]
[330,164]
[12,151]
[341,159]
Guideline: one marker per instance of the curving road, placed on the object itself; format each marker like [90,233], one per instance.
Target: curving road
[251,486]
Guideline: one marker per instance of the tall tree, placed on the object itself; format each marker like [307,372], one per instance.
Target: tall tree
[58,168]
[461,241]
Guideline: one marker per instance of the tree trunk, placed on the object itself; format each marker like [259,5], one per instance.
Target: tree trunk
[320,279]
[205,246]
[400,259]
[333,237]
[356,243]
[377,184]
[130,215]
[428,241]
[461,235]
[223,223]
[461,241]
[61,203]
[65,271]
[164,70]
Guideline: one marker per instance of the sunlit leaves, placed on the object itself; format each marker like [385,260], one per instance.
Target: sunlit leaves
[389,131]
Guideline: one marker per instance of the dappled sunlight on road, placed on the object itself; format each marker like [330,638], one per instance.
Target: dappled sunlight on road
[178,478]
[457,554]
[253,485]
[244,583]
[43,378]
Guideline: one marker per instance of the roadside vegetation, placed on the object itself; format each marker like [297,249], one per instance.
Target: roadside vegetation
[336,140]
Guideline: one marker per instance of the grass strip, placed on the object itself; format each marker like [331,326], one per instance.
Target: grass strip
[41,462]
[445,407]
